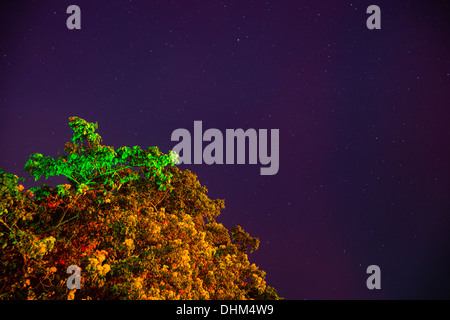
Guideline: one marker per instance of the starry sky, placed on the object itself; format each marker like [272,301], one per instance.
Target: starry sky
[363,117]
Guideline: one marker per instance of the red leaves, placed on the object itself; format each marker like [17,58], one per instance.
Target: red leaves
[61,262]
[52,202]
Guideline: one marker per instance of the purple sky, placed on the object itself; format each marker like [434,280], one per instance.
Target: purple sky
[363,116]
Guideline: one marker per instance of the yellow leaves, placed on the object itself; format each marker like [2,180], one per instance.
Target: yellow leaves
[170,295]
[132,218]
[153,293]
[41,247]
[71,294]
[103,269]
[26,283]
[95,263]
[228,259]
[101,255]
[137,287]
[155,231]
[259,282]
[66,186]
[129,243]
[185,255]
[106,268]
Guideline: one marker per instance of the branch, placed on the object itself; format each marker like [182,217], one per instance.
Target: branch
[117,170]
[60,223]
[1,220]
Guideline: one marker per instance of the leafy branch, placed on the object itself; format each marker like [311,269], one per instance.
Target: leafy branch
[87,162]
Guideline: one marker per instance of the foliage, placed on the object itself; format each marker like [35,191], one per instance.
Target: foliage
[132,238]
[88,162]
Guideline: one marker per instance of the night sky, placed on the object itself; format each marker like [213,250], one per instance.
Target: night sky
[363,117]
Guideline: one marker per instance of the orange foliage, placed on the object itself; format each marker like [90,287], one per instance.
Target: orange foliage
[134,243]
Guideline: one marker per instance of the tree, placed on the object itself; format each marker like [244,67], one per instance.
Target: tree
[137,226]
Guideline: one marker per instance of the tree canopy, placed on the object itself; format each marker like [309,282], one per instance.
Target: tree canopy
[136,225]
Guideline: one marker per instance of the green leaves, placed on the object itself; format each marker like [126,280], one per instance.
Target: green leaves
[84,131]
[90,163]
